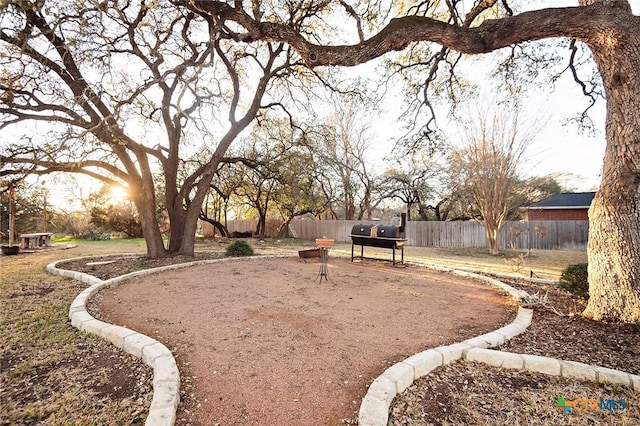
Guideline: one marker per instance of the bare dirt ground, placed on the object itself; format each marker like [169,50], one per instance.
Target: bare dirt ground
[262,341]
[465,393]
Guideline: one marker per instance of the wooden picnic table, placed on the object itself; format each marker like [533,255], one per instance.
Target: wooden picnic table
[35,240]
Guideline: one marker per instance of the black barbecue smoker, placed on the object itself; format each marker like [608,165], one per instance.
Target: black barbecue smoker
[390,237]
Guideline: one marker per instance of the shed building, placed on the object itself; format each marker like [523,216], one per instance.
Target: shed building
[562,206]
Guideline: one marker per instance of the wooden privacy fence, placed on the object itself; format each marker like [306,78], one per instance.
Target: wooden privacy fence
[542,235]
[519,235]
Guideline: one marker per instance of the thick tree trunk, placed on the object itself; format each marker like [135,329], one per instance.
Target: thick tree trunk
[177,218]
[146,205]
[492,239]
[184,220]
[614,216]
[185,228]
[188,240]
[614,258]
[185,223]
[152,236]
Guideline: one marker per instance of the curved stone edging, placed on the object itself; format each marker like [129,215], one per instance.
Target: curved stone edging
[166,377]
[554,367]
[374,409]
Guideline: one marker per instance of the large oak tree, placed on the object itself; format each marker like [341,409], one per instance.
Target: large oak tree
[117,90]
[610,31]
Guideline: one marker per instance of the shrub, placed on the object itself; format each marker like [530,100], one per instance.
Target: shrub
[239,248]
[574,280]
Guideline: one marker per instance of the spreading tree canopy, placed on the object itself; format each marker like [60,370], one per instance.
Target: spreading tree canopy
[118,90]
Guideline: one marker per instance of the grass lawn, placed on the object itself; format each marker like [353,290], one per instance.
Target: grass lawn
[51,373]
[547,264]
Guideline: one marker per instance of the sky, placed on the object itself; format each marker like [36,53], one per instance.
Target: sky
[560,147]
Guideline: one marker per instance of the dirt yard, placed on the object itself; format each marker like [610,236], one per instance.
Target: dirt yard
[262,341]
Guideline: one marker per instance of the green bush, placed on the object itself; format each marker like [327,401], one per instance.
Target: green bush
[574,280]
[239,248]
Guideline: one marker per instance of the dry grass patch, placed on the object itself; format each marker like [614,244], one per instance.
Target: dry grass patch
[49,372]
[547,264]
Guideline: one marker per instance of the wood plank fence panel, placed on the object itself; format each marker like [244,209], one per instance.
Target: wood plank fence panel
[518,235]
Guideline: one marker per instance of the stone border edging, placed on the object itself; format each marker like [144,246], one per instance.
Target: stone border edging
[166,377]
[554,367]
[374,409]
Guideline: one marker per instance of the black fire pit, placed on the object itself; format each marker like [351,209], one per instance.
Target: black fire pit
[390,237]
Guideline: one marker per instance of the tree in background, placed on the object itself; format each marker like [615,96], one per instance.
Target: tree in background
[118,218]
[215,207]
[460,206]
[259,176]
[485,168]
[299,190]
[275,174]
[342,147]
[413,181]
[111,211]
[29,208]
[75,224]
[532,190]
